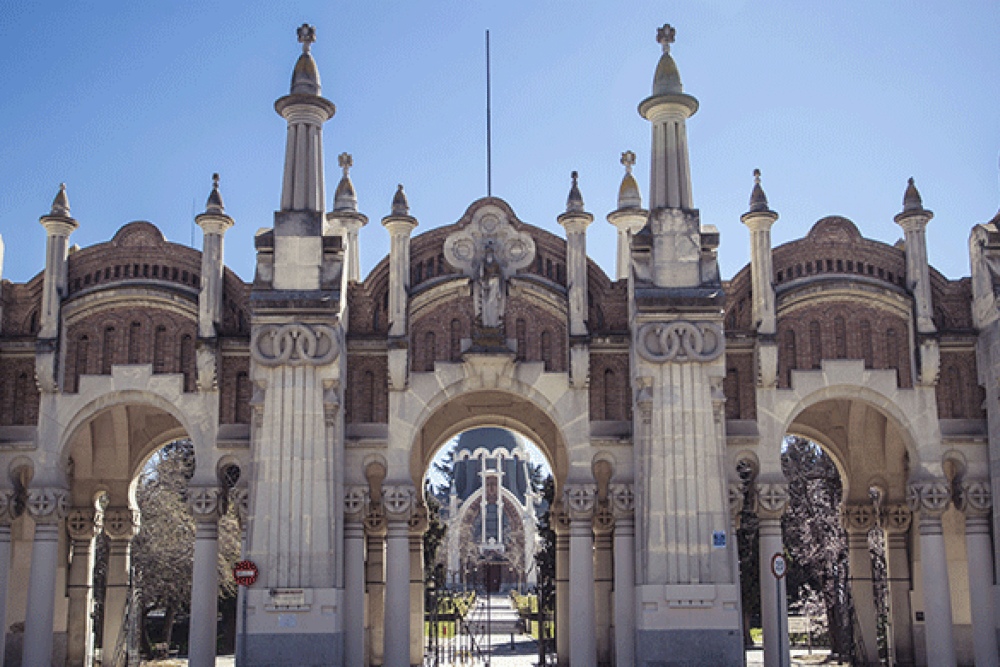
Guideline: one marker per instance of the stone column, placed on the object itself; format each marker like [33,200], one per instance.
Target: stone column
[579,503]
[400,225]
[418,525]
[47,507]
[772,500]
[858,519]
[977,502]
[121,524]
[6,505]
[213,222]
[376,528]
[206,507]
[559,521]
[604,523]
[896,521]
[58,227]
[623,506]
[398,501]
[354,577]
[628,218]
[930,498]
[83,524]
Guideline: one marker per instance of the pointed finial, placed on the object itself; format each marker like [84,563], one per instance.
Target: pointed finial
[665,35]
[60,205]
[574,203]
[628,159]
[215,205]
[307,36]
[911,199]
[399,204]
[758,200]
[628,192]
[345,198]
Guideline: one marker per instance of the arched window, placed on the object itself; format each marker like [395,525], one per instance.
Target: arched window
[789,356]
[867,350]
[107,356]
[815,345]
[840,336]
[187,361]
[455,342]
[891,349]
[134,341]
[429,351]
[82,358]
[159,349]
[547,349]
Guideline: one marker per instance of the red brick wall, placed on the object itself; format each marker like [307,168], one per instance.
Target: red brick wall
[959,395]
[367,391]
[610,386]
[18,391]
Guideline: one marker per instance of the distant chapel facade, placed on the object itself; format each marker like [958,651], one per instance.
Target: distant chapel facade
[316,398]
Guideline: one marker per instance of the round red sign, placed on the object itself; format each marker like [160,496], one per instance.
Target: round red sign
[245,572]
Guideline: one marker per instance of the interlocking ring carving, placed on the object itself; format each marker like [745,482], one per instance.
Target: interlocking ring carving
[47,505]
[294,344]
[681,341]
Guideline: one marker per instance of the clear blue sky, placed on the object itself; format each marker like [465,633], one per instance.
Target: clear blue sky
[135,105]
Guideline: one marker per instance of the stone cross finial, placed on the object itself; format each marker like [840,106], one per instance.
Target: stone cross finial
[307,35]
[665,36]
[628,159]
[756,176]
[345,161]
[215,181]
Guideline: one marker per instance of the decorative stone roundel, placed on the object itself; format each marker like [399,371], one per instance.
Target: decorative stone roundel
[680,341]
[47,505]
[931,497]
[294,344]
[354,501]
[398,500]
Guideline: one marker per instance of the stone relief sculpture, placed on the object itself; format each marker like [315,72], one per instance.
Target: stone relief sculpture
[492,290]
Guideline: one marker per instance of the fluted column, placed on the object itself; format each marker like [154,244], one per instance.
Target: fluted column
[206,507]
[354,577]
[930,499]
[559,521]
[121,524]
[772,500]
[398,502]
[47,507]
[579,503]
[896,520]
[83,524]
[977,503]
[858,519]
[623,506]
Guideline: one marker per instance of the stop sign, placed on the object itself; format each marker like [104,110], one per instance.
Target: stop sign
[245,572]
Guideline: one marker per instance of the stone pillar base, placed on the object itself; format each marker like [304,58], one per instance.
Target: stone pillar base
[691,625]
[293,627]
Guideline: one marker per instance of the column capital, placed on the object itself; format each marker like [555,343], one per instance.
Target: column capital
[6,507]
[559,519]
[579,501]
[47,505]
[737,498]
[207,503]
[896,519]
[604,519]
[858,517]
[930,497]
[239,497]
[398,501]
[84,523]
[418,519]
[622,497]
[975,498]
[121,523]
[356,502]
[772,499]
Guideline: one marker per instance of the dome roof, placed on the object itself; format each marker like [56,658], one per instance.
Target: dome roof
[489,439]
[667,79]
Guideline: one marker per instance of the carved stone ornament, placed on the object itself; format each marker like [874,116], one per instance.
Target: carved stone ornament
[622,499]
[930,498]
[559,518]
[294,344]
[83,523]
[398,501]
[47,505]
[736,499]
[897,518]
[374,519]
[772,499]
[6,506]
[680,341]
[579,500]
[976,498]
[355,500]
[121,523]
[859,517]
[239,497]
[604,519]
[206,502]
[418,520]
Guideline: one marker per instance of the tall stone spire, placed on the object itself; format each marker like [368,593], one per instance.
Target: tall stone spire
[629,217]
[667,109]
[306,111]
[346,217]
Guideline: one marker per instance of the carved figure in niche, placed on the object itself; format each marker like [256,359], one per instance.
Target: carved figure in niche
[492,289]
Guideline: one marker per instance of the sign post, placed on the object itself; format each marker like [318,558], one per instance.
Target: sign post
[779,568]
[245,573]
